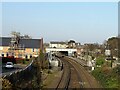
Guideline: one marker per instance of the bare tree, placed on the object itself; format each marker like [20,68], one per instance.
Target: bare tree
[14,33]
[16,37]
[26,36]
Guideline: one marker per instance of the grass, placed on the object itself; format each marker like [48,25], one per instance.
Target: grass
[100,61]
[108,77]
[50,78]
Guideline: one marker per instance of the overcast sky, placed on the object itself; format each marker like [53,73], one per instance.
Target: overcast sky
[81,21]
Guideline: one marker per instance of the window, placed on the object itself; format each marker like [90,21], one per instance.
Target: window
[12,54]
[33,49]
[37,50]
[30,56]
[2,55]
[26,56]
[7,54]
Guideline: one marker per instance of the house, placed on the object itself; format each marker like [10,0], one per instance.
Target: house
[54,44]
[79,50]
[26,48]
[71,44]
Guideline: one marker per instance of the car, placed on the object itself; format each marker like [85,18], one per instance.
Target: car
[9,65]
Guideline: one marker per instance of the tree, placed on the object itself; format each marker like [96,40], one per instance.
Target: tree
[14,33]
[16,38]
[26,36]
[39,64]
[18,35]
[112,44]
[41,58]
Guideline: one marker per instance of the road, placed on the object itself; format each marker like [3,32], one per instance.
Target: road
[6,71]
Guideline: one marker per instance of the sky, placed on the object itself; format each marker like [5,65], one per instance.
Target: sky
[84,22]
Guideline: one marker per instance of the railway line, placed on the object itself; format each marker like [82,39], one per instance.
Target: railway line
[65,78]
[75,76]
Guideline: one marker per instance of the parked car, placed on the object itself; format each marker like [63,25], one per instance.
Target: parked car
[9,65]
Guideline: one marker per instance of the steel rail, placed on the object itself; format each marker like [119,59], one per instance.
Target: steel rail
[77,72]
[66,70]
[82,71]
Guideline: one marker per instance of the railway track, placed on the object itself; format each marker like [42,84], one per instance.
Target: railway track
[70,77]
[65,78]
[76,80]
[88,81]
[75,76]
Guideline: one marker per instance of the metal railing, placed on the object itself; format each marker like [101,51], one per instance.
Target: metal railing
[20,77]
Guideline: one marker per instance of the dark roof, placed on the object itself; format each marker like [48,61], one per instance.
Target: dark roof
[4,41]
[53,42]
[27,43]
[71,41]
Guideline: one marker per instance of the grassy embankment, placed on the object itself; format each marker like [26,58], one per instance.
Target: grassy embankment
[108,77]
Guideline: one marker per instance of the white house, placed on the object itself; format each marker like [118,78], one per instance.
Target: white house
[58,45]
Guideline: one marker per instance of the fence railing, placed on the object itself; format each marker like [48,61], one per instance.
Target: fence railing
[20,78]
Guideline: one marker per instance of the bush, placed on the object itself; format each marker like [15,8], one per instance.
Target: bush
[45,64]
[24,61]
[100,61]
[6,84]
[107,77]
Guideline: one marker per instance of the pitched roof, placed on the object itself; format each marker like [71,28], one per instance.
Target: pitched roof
[28,43]
[54,42]
[71,41]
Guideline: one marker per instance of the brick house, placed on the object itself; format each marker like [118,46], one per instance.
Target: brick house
[27,48]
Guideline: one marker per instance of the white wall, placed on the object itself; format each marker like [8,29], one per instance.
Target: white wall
[58,45]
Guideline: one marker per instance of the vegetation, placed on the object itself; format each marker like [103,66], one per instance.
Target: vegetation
[112,44]
[18,34]
[40,64]
[24,61]
[43,62]
[100,61]
[6,84]
[107,76]
[29,78]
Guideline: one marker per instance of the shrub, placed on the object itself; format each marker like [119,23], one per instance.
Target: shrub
[24,61]
[6,84]
[100,61]
[107,77]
